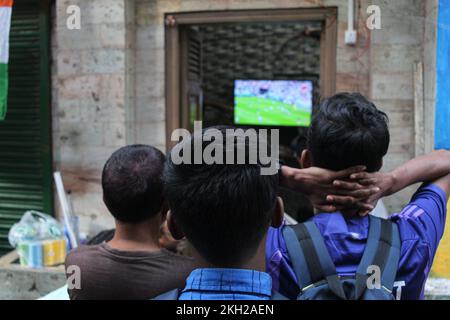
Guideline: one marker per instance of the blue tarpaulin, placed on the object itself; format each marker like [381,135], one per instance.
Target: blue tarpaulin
[442,133]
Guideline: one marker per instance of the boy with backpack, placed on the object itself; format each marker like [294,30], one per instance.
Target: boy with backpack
[343,255]
[225,210]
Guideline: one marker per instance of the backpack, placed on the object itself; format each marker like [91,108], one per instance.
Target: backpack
[316,272]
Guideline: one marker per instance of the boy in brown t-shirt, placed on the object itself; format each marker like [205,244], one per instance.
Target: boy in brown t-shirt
[132,265]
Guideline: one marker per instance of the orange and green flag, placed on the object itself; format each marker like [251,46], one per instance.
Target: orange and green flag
[5,24]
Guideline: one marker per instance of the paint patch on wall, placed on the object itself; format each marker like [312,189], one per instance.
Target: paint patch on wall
[442,133]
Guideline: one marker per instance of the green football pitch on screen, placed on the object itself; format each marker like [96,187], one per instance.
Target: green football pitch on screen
[273,102]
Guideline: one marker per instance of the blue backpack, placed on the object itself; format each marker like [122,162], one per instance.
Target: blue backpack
[316,272]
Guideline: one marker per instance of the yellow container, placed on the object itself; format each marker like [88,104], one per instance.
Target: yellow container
[441,265]
[54,251]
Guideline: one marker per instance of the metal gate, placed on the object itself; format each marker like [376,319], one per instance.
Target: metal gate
[25,145]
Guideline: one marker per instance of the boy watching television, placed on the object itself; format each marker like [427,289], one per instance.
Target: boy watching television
[349,130]
[224,210]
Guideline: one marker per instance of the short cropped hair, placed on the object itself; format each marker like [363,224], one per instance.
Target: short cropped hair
[132,183]
[223,209]
[348,130]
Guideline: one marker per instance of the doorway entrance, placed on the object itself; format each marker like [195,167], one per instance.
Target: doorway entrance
[218,63]
[207,52]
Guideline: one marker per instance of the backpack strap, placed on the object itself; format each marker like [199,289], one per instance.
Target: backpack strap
[382,250]
[327,266]
[169,295]
[390,270]
[318,266]
[296,255]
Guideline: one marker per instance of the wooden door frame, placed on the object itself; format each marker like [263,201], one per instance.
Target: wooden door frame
[175,21]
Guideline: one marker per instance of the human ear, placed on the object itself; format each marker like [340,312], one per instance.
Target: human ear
[277,217]
[174,229]
[305,159]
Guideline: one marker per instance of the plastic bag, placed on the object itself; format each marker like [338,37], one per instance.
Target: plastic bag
[35,225]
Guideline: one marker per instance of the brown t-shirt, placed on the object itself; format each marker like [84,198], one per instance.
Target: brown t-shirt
[107,273]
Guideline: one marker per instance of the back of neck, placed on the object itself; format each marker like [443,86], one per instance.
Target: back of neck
[142,236]
[257,262]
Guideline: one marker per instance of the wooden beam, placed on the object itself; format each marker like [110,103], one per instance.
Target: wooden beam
[261,15]
[9,258]
[419,113]
[172,83]
[328,47]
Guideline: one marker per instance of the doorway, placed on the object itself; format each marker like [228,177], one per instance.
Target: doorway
[207,51]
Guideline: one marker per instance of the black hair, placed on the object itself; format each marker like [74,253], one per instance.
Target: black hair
[348,130]
[132,183]
[223,209]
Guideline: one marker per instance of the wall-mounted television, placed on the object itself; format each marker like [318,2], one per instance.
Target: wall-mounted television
[273,102]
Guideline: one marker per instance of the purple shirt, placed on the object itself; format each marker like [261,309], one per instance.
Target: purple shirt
[421,225]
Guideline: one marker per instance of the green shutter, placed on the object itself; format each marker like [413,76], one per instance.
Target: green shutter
[25,150]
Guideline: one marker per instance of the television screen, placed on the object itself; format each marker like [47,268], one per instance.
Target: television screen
[273,102]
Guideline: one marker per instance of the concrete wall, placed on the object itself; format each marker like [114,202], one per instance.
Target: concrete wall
[108,80]
[407,36]
[90,100]
[19,283]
